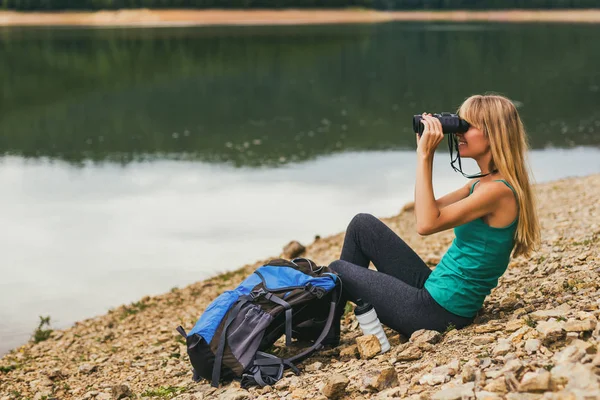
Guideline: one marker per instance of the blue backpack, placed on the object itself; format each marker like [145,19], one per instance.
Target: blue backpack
[232,337]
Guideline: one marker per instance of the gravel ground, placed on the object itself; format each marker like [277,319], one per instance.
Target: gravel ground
[536,337]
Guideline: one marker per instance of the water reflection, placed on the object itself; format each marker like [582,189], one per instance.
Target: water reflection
[253,96]
[76,241]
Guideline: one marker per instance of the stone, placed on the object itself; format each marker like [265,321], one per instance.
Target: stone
[514,365]
[509,303]
[381,380]
[103,396]
[349,352]
[300,394]
[454,393]
[87,369]
[316,366]
[524,396]
[434,379]
[335,386]
[368,346]
[468,373]
[532,345]
[503,347]
[580,326]
[483,339]
[409,354]
[513,325]
[535,382]
[293,249]
[236,394]
[560,311]
[497,385]
[550,331]
[425,336]
[489,327]
[484,395]
[121,391]
[569,354]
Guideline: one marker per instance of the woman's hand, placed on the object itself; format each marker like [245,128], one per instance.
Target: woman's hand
[431,137]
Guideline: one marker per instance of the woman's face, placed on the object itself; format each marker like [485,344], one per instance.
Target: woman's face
[473,143]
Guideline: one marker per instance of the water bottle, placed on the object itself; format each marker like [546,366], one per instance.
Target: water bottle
[369,323]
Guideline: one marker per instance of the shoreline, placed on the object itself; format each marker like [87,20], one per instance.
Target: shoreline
[215,17]
[135,346]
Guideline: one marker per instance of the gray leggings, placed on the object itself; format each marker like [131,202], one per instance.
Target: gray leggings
[396,288]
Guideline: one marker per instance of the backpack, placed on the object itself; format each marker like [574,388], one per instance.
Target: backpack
[232,337]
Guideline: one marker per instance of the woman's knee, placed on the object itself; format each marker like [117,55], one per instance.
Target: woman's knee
[361,220]
[337,266]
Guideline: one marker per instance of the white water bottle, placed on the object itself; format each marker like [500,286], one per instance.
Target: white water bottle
[369,323]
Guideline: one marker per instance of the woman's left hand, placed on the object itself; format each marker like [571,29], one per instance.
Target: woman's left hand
[431,137]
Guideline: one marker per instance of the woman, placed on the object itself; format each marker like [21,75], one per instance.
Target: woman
[492,216]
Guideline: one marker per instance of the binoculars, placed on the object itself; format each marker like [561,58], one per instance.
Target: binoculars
[451,123]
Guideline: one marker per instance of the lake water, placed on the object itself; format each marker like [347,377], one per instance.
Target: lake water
[136,160]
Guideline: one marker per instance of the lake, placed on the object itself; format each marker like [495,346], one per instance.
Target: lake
[136,160]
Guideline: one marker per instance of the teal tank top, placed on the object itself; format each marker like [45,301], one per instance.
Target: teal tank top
[470,269]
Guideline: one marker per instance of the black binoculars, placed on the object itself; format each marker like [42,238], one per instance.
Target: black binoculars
[451,123]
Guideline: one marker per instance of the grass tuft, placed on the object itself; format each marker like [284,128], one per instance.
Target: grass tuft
[40,334]
[163,391]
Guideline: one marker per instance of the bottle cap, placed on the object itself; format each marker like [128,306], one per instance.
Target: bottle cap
[362,307]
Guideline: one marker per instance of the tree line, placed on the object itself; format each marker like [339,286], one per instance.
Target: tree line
[31,5]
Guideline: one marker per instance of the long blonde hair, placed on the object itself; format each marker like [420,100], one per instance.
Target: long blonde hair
[499,120]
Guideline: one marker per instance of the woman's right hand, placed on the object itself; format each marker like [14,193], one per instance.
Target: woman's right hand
[431,137]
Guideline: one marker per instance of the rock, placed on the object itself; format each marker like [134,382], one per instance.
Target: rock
[483,339]
[380,380]
[293,249]
[569,354]
[513,325]
[368,346]
[532,345]
[300,394]
[509,303]
[468,374]
[236,394]
[535,382]
[425,336]
[514,366]
[580,326]
[497,385]
[103,396]
[434,379]
[489,327]
[455,393]
[550,331]
[503,347]
[395,392]
[524,396]
[483,395]
[560,311]
[316,366]
[573,376]
[349,352]
[87,369]
[121,391]
[335,386]
[409,354]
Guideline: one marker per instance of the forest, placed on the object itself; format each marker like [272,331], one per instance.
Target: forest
[41,5]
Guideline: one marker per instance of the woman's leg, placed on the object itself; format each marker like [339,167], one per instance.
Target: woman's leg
[368,239]
[399,305]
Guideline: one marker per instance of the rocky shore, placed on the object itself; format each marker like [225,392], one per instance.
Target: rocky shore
[536,337]
[146,17]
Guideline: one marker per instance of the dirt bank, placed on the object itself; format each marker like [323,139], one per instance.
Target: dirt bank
[146,17]
[537,333]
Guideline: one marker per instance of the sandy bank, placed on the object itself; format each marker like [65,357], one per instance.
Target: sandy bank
[146,17]
[537,332]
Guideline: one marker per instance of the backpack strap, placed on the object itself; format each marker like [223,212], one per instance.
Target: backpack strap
[317,344]
[216,375]
[288,316]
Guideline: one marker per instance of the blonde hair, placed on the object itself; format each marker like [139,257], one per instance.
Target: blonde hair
[499,120]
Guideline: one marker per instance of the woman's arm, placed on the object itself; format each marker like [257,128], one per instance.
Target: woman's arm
[430,216]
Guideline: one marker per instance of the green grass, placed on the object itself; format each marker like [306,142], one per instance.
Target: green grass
[133,308]
[163,391]
[8,368]
[450,327]
[40,334]
[530,322]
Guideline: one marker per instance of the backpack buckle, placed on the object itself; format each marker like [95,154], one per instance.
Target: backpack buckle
[317,291]
[254,294]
